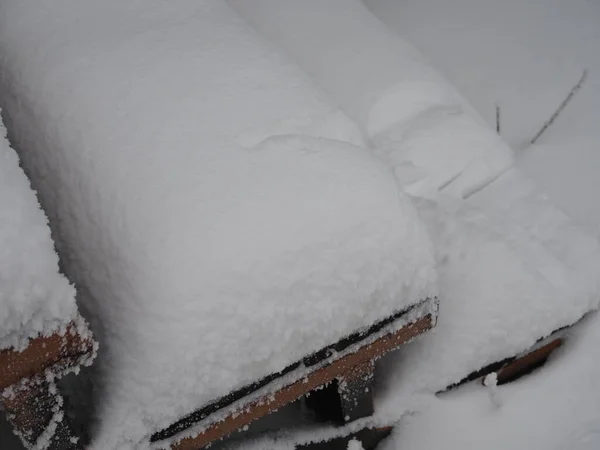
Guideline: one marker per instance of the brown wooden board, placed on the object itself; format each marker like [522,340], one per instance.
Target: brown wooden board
[309,361]
[43,353]
[32,401]
[33,408]
[355,390]
[527,363]
[511,369]
[339,368]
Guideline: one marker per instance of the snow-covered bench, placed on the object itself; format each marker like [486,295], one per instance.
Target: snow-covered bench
[238,248]
[439,148]
[42,336]
[347,365]
[512,267]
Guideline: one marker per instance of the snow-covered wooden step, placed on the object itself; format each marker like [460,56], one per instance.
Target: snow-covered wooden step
[223,213]
[339,361]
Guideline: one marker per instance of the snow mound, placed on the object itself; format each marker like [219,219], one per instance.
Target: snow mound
[558,407]
[512,269]
[388,89]
[355,444]
[34,297]
[377,78]
[207,196]
[443,150]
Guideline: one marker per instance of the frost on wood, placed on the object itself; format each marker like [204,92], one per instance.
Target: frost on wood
[28,389]
[56,355]
[355,391]
[290,386]
[221,219]
[35,409]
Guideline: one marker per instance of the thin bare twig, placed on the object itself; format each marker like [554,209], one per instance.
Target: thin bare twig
[497,118]
[562,106]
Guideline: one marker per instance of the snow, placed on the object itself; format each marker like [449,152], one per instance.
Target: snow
[525,57]
[512,269]
[512,265]
[443,151]
[206,195]
[510,274]
[34,298]
[556,408]
[414,118]
[410,317]
[355,444]
[377,79]
[515,247]
[506,249]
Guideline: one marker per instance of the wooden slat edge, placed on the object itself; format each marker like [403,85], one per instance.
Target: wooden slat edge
[539,351]
[268,403]
[357,339]
[66,349]
[528,362]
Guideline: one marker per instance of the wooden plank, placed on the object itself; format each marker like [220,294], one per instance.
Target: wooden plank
[309,361]
[42,353]
[355,390]
[273,401]
[527,363]
[512,368]
[35,409]
[34,405]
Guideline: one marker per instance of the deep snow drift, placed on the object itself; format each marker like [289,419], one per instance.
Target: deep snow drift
[510,272]
[206,195]
[34,297]
[416,121]
[512,266]
[524,57]
[505,249]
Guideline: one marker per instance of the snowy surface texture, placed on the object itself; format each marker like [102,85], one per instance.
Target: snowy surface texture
[512,265]
[523,251]
[34,297]
[414,118]
[355,444]
[511,272]
[524,57]
[207,196]
[517,253]
[556,408]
